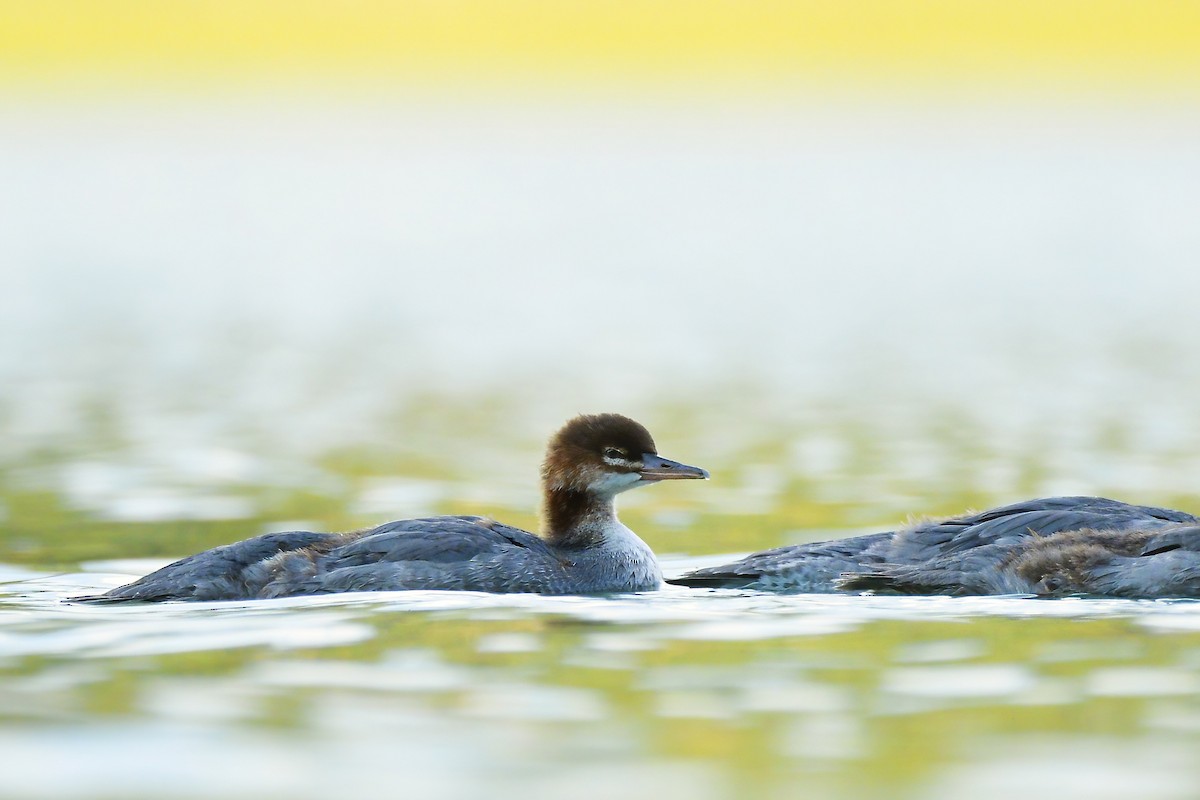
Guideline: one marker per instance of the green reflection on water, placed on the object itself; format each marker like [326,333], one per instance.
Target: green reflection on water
[779,475]
[839,712]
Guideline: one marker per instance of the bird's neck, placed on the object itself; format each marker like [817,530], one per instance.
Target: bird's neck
[576,520]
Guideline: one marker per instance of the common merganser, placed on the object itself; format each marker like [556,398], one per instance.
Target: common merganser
[1052,546]
[584,548]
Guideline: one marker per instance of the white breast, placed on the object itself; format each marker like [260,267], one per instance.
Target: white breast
[624,559]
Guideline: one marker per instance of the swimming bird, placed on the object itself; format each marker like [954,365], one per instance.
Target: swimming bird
[1050,546]
[583,549]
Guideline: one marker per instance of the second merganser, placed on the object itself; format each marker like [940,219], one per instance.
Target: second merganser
[1051,546]
[584,548]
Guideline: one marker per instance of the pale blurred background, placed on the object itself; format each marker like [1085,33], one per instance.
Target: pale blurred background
[863,259]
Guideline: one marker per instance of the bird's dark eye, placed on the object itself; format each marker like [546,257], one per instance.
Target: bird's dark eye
[614,453]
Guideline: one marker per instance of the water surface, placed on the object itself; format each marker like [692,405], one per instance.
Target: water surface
[712,693]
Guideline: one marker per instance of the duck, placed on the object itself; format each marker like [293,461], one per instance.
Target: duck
[583,547]
[1048,547]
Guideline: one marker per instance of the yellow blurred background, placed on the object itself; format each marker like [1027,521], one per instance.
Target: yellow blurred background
[1111,45]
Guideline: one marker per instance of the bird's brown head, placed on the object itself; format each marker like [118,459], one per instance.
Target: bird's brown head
[604,454]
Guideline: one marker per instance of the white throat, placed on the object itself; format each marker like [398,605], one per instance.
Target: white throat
[613,483]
